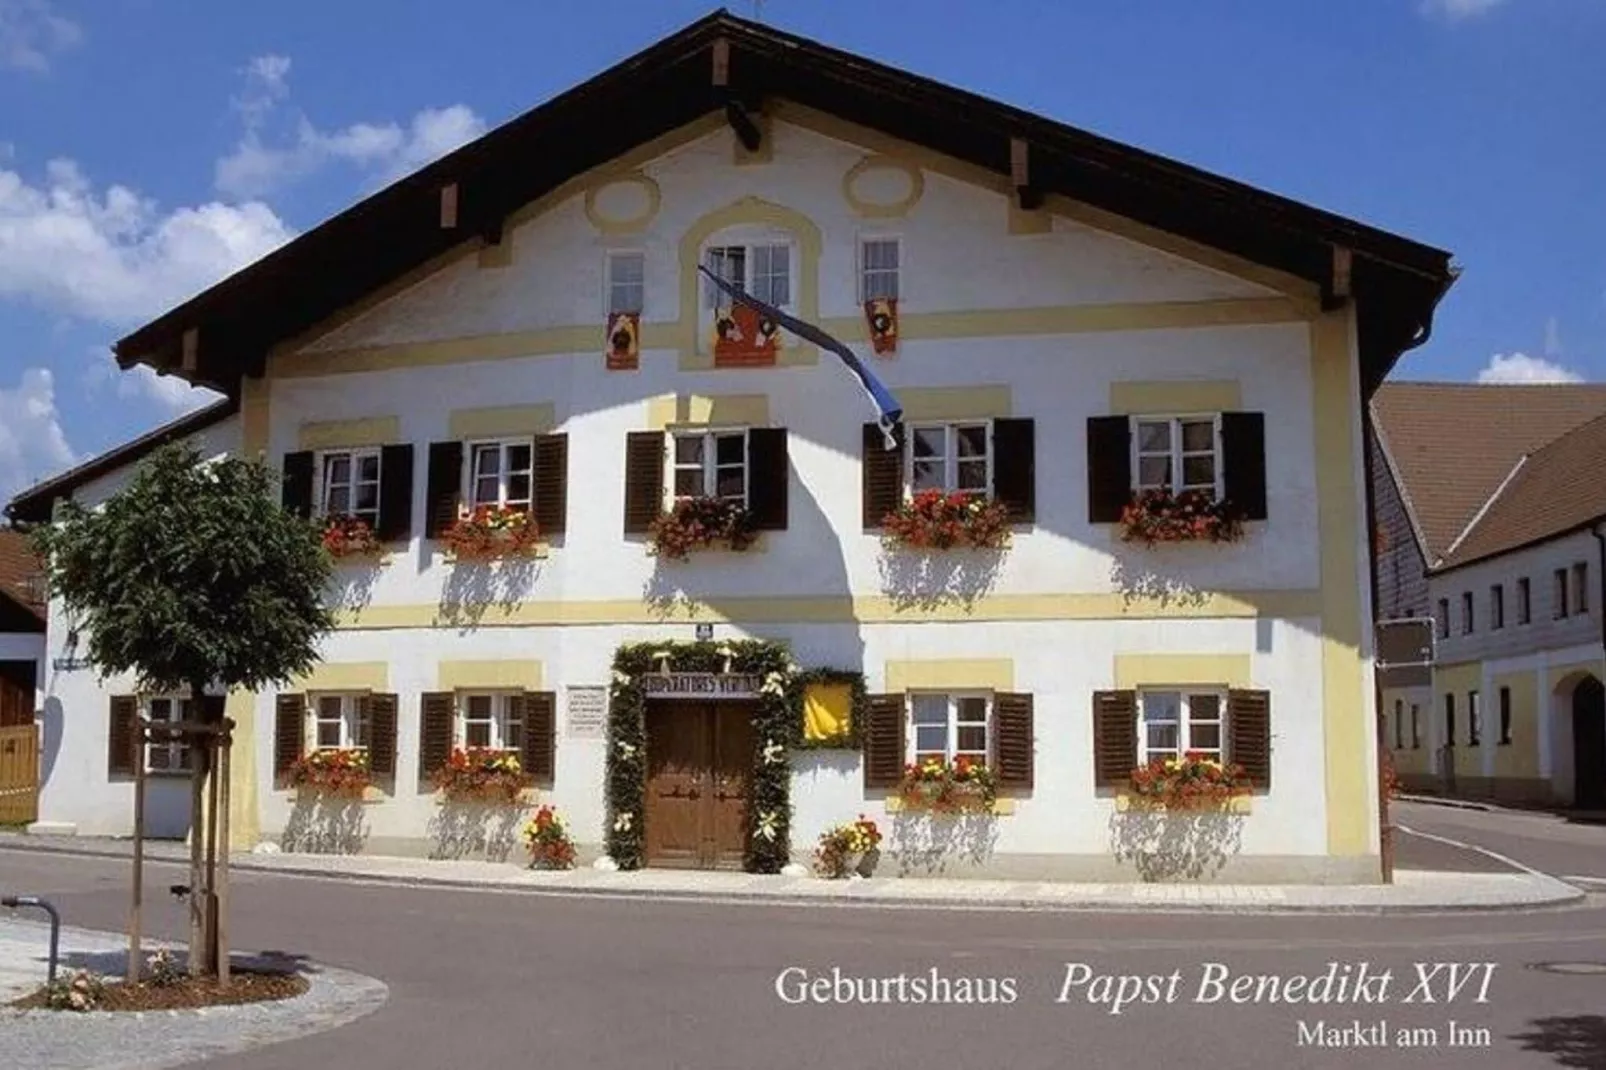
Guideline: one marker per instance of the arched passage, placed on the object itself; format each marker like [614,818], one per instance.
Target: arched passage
[1589,744]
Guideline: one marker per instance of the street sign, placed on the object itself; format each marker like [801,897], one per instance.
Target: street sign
[1404,652]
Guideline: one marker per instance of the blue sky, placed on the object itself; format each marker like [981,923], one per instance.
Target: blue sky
[147,150]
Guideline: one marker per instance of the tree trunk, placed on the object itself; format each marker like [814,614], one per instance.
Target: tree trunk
[203,840]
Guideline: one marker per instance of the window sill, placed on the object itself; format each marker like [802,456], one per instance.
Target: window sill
[1126,803]
[372,793]
[539,552]
[1000,808]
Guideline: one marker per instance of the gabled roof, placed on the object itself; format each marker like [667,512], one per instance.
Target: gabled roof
[19,573]
[34,504]
[1396,282]
[1460,449]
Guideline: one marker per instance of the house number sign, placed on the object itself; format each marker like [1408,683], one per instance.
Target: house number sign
[701,685]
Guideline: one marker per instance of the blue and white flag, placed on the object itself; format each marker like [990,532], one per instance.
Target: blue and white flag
[888,412]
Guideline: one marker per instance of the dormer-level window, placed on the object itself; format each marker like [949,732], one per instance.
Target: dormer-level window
[627,281]
[763,269]
[879,263]
[1177,453]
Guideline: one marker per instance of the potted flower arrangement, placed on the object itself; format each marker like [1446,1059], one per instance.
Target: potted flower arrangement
[547,837]
[1191,782]
[481,773]
[937,520]
[330,771]
[962,785]
[350,536]
[1185,516]
[848,848]
[489,531]
[694,523]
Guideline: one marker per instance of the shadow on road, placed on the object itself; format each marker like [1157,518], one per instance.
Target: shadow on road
[1578,1042]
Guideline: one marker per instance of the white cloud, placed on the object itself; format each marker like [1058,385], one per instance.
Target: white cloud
[1521,368]
[170,395]
[262,162]
[114,256]
[32,444]
[1456,10]
[32,34]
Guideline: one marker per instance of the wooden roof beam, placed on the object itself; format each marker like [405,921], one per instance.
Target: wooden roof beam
[736,114]
[1336,287]
[1020,175]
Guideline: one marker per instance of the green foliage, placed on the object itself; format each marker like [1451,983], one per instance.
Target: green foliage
[192,573]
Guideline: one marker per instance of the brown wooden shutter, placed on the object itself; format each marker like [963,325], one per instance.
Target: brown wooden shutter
[882,471]
[644,480]
[395,493]
[1249,734]
[289,731]
[551,483]
[212,708]
[444,488]
[539,754]
[436,712]
[1243,462]
[768,475]
[1109,468]
[1115,737]
[122,745]
[381,733]
[1015,745]
[883,741]
[297,491]
[1015,468]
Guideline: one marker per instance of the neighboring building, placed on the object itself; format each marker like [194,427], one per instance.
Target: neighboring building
[1074,321]
[1490,514]
[22,629]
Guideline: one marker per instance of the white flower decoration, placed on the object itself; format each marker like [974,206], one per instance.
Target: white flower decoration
[773,752]
[623,821]
[774,684]
[768,824]
[725,651]
[621,678]
[627,750]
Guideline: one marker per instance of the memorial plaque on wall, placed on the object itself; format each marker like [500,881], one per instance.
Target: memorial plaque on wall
[587,712]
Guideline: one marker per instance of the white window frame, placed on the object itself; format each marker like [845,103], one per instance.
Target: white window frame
[1580,578]
[950,475]
[864,270]
[471,482]
[499,721]
[750,241]
[710,465]
[1176,452]
[354,458]
[951,737]
[1185,721]
[610,286]
[176,751]
[353,727]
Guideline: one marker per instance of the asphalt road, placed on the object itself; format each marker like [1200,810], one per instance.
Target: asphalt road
[517,980]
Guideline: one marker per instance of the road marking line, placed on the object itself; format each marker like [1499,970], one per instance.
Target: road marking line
[1496,855]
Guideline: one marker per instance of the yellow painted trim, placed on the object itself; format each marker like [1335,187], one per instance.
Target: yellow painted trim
[891,209]
[708,410]
[501,420]
[950,674]
[954,402]
[342,434]
[1175,396]
[1347,731]
[245,819]
[765,153]
[346,676]
[629,225]
[1236,605]
[1126,803]
[1141,670]
[1022,221]
[523,674]
[254,397]
[895,805]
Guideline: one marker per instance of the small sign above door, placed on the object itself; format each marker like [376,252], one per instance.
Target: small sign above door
[701,685]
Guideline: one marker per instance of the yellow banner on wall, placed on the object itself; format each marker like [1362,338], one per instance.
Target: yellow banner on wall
[827,711]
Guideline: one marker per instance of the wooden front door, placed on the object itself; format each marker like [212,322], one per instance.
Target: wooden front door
[699,765]
[1589,745]
[16,693]
[19,775]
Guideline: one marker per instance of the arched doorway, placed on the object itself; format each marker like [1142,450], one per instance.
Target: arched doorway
[1589,745]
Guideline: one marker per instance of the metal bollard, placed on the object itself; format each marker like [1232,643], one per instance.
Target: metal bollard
[15,901]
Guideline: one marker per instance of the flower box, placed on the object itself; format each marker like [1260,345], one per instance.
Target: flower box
[936,520]
[350,537]
[965,786]
[481,774]
[698,523]
[342,773]
[1191,782]
[1187,516]
[492,531]
[849,848]
[547,837]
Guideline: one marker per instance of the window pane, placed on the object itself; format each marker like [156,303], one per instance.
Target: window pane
[930,709]
[518,458]
[880,284]
[729,449]
[929,441]
[477,734]
[159,757]
[972,711]
[689,449]
[328,733]
[359,732]
[1154,436]
[626,298]
[972,476]
[337,468]
[513,736]
[479,707]
[367,497]
[688,482]
[328,706]
[368,467]
[972,440]
[487,460]
[731,483]
[1161,737]
[927,475]
[1198,435]
[931,737]
[1161,705]
[161,709]
[1154,471]
[487,490]
[518,489]
[338,500]
[1199,471]
[1204,707]
[972,737]
[626,268]
[1204,737]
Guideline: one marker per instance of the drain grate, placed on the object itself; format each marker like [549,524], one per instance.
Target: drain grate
[1597,969]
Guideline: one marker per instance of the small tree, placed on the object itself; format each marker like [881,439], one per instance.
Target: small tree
[192,576]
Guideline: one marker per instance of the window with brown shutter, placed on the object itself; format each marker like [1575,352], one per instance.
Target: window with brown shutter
[1015,468]
[551,483]
[768,476]
[1014,746]
[1115,737]
[882,473]
[436,711]
[444,487]
[1109,468]
[883,741]
[289,732]
[1243,462]
[538,754]
[1249,730]
[297,489]
[381,716]
[122,747]
[644,480]
[395,493]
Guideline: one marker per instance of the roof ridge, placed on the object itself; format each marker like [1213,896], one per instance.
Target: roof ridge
[1483,510]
